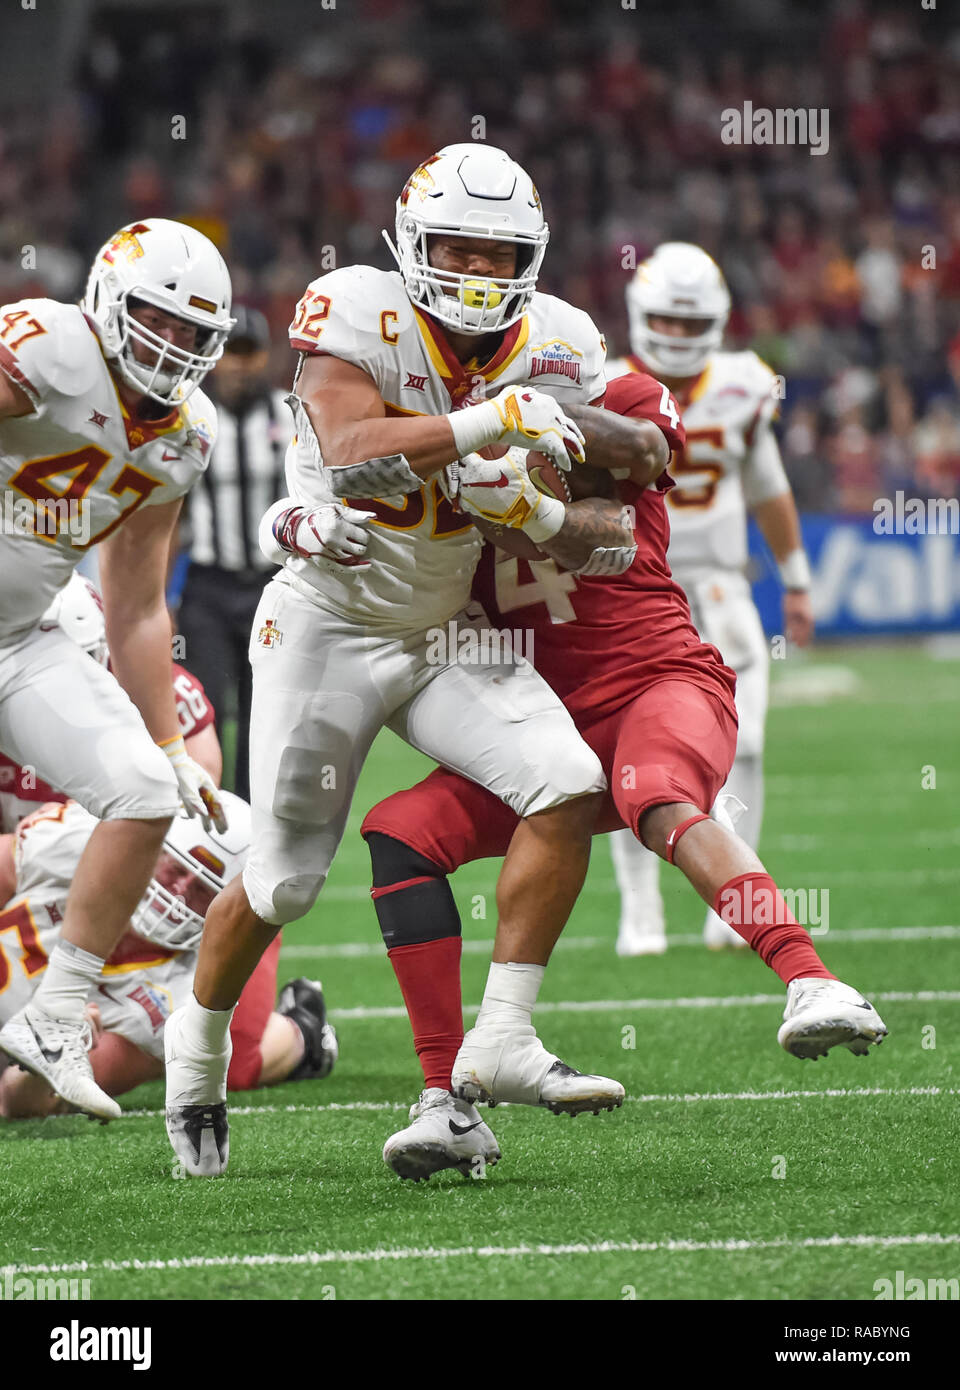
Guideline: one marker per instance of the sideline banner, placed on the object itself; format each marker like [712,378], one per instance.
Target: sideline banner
[865,582]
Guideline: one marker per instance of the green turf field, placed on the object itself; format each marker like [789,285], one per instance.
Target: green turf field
[674,1196]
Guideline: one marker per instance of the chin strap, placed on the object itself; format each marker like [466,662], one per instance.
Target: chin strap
[393,250]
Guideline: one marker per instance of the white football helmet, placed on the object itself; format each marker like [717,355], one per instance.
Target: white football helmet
[680,281]
[479,191]
[180,271]
[78,609]
[195,864]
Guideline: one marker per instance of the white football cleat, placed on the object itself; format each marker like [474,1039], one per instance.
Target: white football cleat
[56,1049]
[196,1109]
[821,1014]
[496,1065]
[641,939]
[717,934]
[444,1133]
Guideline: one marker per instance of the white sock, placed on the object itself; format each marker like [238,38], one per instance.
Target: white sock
[66,983]
[205,1029]
[510,995]
[638,878]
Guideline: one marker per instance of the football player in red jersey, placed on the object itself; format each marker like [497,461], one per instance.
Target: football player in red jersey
[656,705]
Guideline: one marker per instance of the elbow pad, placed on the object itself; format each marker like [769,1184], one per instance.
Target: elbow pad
[609,560]
[378,477]
[381,477]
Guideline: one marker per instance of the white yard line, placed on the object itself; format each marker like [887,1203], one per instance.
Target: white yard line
[696,1001]
[348,950]
[662,1097]
[429,1252]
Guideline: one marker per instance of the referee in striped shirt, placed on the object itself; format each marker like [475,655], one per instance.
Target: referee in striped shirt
[227,571]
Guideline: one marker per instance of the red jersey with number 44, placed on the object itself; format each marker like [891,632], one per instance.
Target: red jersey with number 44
[600,641]
[21,791]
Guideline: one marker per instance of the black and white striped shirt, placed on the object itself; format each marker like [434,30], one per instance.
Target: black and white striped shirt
[244,477]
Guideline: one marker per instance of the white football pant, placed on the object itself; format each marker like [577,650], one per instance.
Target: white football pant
[70,720]
[324,687]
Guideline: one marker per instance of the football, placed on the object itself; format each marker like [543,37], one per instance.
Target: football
[546,478]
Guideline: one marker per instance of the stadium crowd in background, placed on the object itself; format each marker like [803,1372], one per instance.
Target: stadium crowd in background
[295,144]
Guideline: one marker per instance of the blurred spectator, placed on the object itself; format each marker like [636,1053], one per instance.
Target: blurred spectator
[300,132]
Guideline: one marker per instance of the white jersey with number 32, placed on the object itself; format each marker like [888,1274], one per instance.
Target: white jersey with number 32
[422,552]
[78,465]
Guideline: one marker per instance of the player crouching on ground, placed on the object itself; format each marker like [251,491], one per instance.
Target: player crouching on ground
[655,704]
[151,970]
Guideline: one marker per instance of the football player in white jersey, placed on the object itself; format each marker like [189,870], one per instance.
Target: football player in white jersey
[102,431]
[401,374]
[151,970]
[678,305]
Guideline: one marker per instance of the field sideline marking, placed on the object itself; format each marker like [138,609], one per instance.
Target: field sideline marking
[666,1097]
[347,950]
[701,1001]
[429,1252]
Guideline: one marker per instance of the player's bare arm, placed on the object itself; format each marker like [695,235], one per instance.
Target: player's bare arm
[350,421]
[14,401]
[347,414]
[8,870]
[204,748]
[780,524]
[620,441]
[595,523]
[132,570]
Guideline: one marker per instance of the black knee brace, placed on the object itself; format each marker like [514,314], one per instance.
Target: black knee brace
[411,894]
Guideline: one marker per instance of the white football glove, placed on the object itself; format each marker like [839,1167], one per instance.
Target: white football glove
[500,490]
[533,420]
[519,416]
[331,531]
[198,791]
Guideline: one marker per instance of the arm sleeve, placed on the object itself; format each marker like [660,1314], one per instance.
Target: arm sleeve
[764,475]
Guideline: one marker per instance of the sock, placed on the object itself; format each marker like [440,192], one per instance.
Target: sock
[428,974]
[638,878]
[66,983]
[754,906]
[510,995]
[206,1030]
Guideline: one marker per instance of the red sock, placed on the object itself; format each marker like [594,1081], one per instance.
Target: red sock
[429,977]
[754,906]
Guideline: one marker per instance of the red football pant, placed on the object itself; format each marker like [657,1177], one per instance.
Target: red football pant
[675,742]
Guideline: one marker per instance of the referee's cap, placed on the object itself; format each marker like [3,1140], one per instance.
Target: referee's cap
[250,332]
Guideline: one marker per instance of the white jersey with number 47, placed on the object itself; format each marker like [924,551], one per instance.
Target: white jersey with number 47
[731,461]
[78,465]
[422,552]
